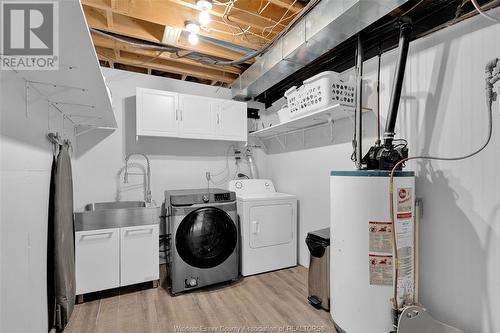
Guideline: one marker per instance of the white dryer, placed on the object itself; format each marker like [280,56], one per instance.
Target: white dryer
[268,226]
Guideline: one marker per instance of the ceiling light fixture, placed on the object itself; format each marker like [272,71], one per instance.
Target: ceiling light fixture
[193,38]
[192,27]
[204,5]
[204,18]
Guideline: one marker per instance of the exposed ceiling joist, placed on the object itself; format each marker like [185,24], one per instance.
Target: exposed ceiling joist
[287,4]
[237,15]
[165,65]
[147,31]
[104,42]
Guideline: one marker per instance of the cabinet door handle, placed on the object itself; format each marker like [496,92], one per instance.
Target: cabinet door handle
[182,112]
[255,227]
[139,231]
[218,118]
[176,115]
[108,234]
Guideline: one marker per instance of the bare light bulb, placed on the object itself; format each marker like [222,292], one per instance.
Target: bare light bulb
[192,26]
[204,5]
[193,38]
[204,18]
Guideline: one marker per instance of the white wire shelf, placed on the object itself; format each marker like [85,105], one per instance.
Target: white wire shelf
[307,121]
[323,117]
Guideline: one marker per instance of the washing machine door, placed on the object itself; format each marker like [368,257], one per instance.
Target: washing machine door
[206,237]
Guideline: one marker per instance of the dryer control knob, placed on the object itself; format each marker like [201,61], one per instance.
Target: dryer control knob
[193,282]
[238,185]
[206,198]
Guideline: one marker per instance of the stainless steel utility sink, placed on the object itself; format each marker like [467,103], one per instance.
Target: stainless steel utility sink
[116,214]
[114,205]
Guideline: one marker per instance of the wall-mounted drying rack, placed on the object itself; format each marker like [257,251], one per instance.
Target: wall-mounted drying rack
[85,120]
[300,125]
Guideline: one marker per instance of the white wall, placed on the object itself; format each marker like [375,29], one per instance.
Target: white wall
[175,163]
[442,112]
[26,157]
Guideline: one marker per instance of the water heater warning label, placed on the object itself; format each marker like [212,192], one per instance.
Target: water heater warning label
[404,203]
[380,236]
[380,270]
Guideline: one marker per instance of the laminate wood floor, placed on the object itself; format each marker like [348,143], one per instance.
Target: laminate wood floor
[270,302]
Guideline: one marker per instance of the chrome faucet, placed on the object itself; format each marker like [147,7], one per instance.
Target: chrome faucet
[148,174]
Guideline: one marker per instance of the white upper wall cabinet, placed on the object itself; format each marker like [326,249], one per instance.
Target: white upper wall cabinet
[231,120]
[168,114]
[196,116]
[157,112]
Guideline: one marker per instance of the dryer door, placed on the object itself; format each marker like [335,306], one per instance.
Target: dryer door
[271,224]
[206,237]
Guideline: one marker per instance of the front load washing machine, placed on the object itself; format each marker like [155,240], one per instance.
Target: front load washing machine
[203,238]
[268,223]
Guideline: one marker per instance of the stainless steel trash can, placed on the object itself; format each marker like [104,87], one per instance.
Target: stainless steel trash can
[318,243]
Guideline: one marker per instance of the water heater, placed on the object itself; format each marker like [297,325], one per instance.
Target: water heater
[361,270]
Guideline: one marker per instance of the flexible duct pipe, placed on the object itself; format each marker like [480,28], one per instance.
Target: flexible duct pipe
[404,42]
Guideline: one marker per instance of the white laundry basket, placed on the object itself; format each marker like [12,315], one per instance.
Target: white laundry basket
[284,114]
[318,92]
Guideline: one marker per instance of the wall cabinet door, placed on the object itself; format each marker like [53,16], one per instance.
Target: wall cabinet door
[139,254]
[156,112]
[97,260]
[196,116]
[232,121]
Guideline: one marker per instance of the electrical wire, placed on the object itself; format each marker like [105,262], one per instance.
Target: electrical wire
[483,13]
[226,171]
[489,105]
[261,10]
[227,161]
[146,62]
[412,8]
[212,60]
[257,53]
[280,20]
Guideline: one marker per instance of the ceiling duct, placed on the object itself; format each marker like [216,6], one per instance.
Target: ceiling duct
[329,23]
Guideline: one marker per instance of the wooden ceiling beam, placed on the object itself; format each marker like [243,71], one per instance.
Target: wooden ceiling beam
[237,15]
[109,18]
[148,31]
[164,65]
[166,13]
[120,6]
[104,42]
[286,4]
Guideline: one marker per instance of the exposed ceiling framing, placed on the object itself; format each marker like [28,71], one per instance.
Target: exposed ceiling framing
[237,27]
